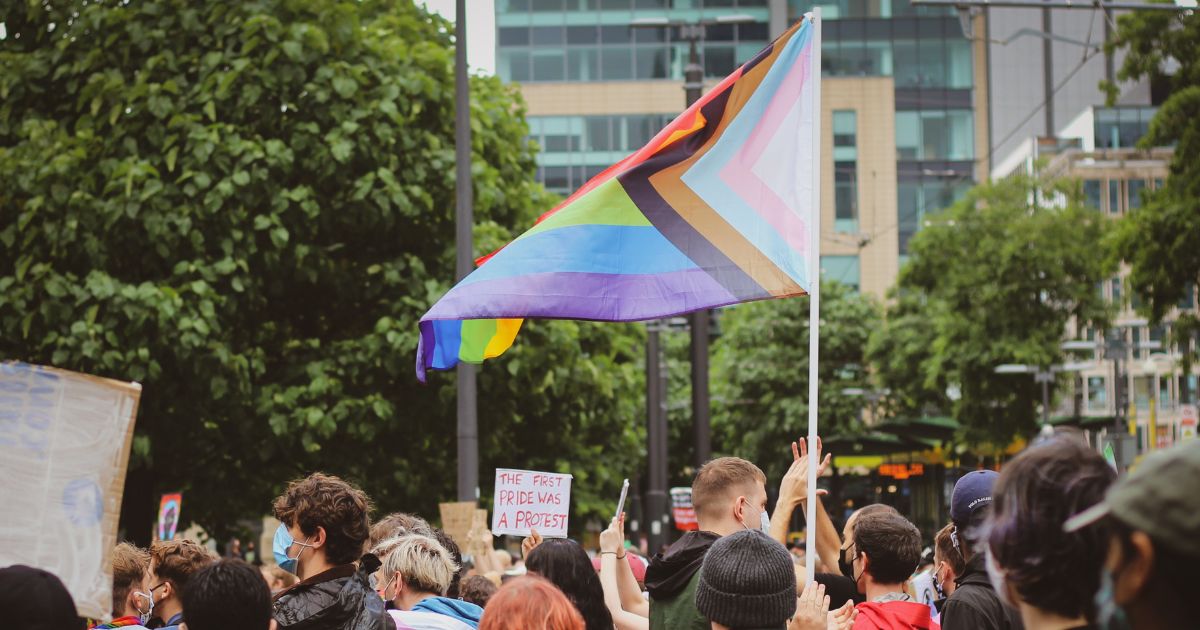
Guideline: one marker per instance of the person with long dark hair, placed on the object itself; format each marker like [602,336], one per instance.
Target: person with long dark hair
[566,565]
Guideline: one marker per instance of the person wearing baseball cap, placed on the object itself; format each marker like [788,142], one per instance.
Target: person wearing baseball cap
[1153,516]
[974,604]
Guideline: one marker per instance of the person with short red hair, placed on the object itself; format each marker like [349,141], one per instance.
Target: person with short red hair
[530,603]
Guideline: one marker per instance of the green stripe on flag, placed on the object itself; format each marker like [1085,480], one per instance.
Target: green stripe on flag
[606,204]
[476,333]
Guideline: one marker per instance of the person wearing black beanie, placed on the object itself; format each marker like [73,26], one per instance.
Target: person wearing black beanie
[747,581]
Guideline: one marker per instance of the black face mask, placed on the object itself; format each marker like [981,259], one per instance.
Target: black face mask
[845,564]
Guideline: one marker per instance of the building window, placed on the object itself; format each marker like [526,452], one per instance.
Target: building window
[1114,196]
[1164,392]
[1091,193]
[935,135]
[610,49]
[1141,391]
[1115,283]
[1121,127]
[843,269]
[1188,301]
[845,170]
[1097,394]
[917,199]
[1137,188]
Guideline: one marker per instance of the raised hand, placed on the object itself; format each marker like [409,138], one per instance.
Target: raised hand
[812,609]
[533,540]
[613,538]
[843,618]
[793,489]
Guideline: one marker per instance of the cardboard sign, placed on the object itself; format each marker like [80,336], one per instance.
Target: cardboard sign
[682,510]
[527,499]
[64,446]
[168,516]
[456,520]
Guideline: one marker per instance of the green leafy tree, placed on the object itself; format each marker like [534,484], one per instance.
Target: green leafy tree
[760,373]
[994,279]
[247,206]
[1161,240]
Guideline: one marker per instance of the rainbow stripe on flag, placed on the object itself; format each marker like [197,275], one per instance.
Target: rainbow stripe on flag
[715,210]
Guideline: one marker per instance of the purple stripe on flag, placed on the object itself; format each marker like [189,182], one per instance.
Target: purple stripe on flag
[591,296]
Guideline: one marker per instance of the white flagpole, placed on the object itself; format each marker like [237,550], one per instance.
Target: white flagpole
[814,301]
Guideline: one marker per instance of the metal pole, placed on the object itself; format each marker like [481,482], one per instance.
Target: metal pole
[814,305]
[1109,74]
[1048,73]
[1045,397]
[656,437]
[693,83]
[468,413]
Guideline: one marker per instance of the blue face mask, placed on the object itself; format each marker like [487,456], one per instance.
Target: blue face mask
[1109,614]
[280,545]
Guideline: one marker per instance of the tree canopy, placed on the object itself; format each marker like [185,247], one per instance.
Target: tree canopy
[247,206]
[994,279]
[1161,240]
[760,373]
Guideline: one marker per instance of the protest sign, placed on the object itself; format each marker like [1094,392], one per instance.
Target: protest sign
[64,447]
[1187,422]
[682,510]
[527,499]
[456,520]
[168,515]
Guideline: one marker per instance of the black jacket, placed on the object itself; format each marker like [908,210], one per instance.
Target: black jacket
[975,605]
[338,599]
[670,572]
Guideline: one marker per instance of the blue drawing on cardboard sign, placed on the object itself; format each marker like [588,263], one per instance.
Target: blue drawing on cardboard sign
[83,502]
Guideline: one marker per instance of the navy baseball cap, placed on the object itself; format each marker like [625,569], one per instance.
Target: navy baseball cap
[972,493]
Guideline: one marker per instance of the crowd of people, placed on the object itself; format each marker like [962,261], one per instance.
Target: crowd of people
[1054,541]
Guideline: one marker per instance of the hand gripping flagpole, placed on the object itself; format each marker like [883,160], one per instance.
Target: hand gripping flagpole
[814,300]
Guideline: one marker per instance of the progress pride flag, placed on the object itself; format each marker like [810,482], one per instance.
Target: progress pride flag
[527,499]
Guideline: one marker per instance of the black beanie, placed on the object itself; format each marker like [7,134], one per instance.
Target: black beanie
[34,599]
[747,581]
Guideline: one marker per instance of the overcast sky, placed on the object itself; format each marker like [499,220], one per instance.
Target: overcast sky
[481,30]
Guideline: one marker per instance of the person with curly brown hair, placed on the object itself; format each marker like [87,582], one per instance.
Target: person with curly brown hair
[172,564]
[323,527]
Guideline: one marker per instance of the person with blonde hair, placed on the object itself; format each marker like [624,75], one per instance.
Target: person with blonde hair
[416,573]
[130,605]
[530,603]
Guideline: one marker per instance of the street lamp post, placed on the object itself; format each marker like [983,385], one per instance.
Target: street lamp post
[1045,376]
[468,418]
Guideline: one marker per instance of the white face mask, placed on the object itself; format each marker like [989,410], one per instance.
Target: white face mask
[764,522]
[144,617]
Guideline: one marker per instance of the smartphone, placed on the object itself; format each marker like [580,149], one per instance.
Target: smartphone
[621,503]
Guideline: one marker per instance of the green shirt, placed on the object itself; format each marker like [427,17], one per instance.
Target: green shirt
[679,612]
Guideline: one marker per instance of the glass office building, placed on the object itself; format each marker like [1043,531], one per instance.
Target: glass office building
[923,49]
